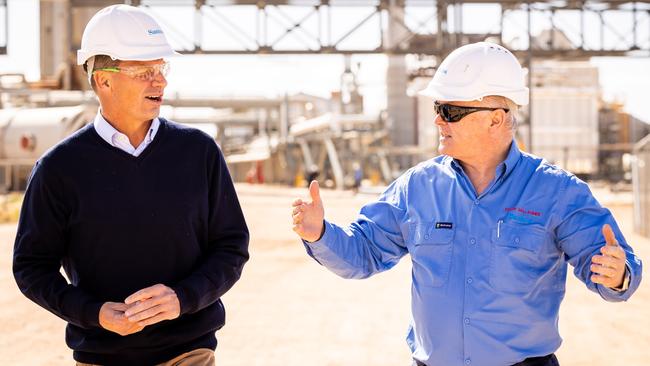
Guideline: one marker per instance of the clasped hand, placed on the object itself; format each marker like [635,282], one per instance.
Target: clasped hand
[148,306]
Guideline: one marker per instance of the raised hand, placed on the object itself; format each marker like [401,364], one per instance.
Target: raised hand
[609,268]
[308,216]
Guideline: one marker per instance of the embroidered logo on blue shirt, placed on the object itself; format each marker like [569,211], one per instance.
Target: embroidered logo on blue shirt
[444,225]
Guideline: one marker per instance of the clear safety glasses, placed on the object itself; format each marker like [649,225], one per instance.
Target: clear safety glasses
[141,73]
[454,113]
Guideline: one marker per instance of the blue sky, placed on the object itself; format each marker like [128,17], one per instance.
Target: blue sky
[623,79]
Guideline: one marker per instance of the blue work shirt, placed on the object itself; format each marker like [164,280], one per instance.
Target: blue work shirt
[489,270]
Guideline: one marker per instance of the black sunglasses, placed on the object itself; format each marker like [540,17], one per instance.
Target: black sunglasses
[454,113]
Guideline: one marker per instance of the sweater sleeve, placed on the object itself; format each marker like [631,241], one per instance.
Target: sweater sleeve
[39,250]
[227,247]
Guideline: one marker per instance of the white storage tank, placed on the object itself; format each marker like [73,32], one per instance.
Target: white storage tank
[27,133]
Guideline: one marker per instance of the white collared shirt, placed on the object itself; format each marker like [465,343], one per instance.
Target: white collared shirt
[121,141]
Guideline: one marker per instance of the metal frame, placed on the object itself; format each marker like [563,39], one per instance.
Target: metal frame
[252,34]
[3,47]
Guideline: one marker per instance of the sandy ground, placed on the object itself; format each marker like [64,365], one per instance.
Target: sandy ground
[287,310]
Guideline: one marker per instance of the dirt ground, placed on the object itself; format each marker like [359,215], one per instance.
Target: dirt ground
[287,310]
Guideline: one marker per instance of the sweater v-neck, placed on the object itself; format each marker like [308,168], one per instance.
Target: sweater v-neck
[127,156]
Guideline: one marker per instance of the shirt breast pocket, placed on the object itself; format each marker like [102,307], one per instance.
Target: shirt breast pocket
[518,261]
[431,254]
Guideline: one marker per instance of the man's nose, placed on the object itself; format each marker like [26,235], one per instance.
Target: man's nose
[159,80]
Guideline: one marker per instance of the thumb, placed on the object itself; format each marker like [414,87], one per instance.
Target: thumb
[608,233]
[314,191]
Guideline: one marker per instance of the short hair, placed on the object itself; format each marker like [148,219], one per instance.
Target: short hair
[100,62]
[497,101]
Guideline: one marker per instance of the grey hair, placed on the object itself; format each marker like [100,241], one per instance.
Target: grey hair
[98,62]
[500,101]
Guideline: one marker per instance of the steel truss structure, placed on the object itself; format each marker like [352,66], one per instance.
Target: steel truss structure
[424,27]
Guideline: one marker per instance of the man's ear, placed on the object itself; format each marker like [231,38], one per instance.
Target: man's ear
[102,80]
[498,117]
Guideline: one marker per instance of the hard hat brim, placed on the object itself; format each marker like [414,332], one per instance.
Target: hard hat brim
[519,97]
[84,55]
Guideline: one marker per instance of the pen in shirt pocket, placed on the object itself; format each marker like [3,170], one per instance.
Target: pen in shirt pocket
[499,228]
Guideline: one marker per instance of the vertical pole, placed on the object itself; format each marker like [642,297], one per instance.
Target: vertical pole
[529,62]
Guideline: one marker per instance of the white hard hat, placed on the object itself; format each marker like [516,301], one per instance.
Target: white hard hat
[477,70]
[123,32]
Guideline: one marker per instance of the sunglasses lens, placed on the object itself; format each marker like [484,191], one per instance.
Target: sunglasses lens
[452,113]
[448,112]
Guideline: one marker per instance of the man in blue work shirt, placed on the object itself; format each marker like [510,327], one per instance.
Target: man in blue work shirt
[489,229]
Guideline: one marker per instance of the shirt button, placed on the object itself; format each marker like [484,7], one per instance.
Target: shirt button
[466,320]
[468,361]
[476,202]
[517,240]
[470,280]
[426,236]
[472,241]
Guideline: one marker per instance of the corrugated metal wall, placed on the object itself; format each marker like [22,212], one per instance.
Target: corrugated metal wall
[641,184]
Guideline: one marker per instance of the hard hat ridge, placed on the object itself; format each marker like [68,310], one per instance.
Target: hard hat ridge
[477,70]
[124,32]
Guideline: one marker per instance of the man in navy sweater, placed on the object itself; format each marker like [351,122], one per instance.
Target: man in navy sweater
[141,213]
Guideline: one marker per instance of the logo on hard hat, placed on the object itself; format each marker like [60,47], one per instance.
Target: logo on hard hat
[152,32]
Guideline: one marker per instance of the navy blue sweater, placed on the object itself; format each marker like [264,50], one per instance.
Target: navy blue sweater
[119,223]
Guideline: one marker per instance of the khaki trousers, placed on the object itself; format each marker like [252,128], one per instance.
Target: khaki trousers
[198,357]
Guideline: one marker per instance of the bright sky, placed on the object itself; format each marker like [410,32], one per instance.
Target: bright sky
[623,79]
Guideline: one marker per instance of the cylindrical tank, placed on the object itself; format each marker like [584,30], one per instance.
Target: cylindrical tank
[28,133]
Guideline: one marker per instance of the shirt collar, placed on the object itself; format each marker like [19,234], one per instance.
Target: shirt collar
[106,131]
[509,164]
[504,168]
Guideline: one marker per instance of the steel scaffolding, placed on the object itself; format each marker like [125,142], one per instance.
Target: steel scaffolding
[422,27]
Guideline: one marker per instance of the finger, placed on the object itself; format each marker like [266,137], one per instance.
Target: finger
[297,209]
[314,191]
[613,251]
[297,202]
[601,279]
[146,314]
[602,270]
[297,218]
[146,293]
[608,233]
[117,306]
[143,306]
[140,295]
[606,261]
[153,320]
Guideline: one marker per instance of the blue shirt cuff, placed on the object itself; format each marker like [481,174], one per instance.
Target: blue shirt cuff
[320,245]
